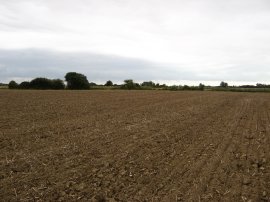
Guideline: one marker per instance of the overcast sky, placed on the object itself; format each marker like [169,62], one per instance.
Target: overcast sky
[172,41]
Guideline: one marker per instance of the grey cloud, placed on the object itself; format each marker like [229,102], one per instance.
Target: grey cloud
[30,63]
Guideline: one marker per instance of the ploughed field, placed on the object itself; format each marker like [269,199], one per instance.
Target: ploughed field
[134,146]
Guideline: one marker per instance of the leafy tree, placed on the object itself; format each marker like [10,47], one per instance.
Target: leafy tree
[24,85]
[148,83]
[129,84]
[109,83]
[76,81]
[13,85]
[186,87]
[57,84]
[173,88]
[163,85]
[223,84]
[201,86]
[41,83]
[259,85]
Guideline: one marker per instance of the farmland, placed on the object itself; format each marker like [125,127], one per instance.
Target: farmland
[134,146]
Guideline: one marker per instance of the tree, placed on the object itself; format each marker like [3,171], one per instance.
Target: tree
[24,85]
[186,87]
[148,84]
[109,83]
[223,84]
[76,81]
[174,87]
[201,86]
[13,85]
[163,86]
[129,84]
[41,83]
[259,85]
[57,84]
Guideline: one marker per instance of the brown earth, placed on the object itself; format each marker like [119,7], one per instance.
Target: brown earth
[134,146]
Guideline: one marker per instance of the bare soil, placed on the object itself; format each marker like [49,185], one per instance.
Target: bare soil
[134,146]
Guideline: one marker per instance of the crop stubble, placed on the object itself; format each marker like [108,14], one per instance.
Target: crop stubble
[134,146]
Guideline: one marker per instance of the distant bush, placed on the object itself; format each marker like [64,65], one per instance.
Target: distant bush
[13,85]
[223,84]
[76,81]
[185,87]
[241,89]
[149,84]
[92,84]
[248,86]
[258,85]
[174,88]
[129,84]
[109,83]
[164,86]
[201,86]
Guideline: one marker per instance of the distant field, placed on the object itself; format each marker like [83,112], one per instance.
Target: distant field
[134,146]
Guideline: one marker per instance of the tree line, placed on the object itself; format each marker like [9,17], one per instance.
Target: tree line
[78,81]
[74,81]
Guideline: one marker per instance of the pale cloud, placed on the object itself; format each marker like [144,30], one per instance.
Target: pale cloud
[181,39]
